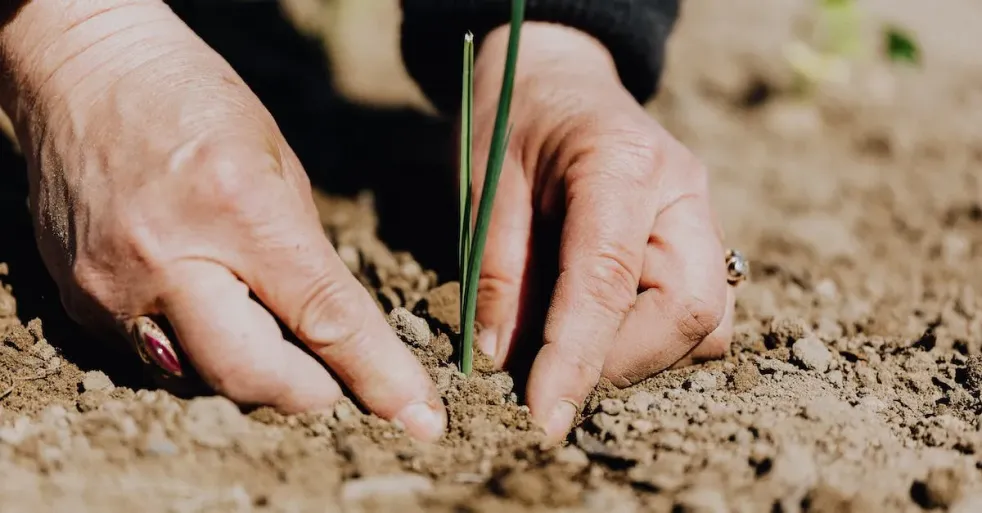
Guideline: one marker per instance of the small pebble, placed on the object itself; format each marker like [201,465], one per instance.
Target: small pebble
[612,406]
[43,350]
[642,426]
[604,423]
[412,329]
[411,270]
[827,289]
[793,473]
[811,354]
[640,402]
[503,382]
[8,305]
[700,500]
[942,487]
[386,486]
[701,381]
[872,404]
[572,456]
[97,381]
[768,365]
[214,421]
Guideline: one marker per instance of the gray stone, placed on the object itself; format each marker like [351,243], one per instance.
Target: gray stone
[811,354]
[97,381]
[701,381]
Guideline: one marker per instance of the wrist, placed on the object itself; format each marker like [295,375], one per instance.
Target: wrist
[546,50]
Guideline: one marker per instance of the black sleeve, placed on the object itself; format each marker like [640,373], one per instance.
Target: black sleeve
[634,31]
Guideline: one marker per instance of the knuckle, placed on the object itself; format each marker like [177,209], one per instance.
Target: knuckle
[226,173]
[492,286]
[331,317]
[631,156]
[585,364]
[624,377]
[609,280]
[89,282]
[697,317]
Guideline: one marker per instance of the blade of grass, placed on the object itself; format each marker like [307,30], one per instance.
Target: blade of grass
[496,158]
[466,164]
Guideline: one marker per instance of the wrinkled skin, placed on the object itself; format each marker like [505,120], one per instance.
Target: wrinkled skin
[634,212]
[160,185]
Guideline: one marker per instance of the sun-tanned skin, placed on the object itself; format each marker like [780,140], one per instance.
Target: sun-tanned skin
[161,185]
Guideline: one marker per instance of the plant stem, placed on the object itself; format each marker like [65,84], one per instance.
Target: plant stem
[496,157]
[466,165]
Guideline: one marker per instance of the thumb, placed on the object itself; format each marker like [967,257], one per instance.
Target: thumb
[504,266]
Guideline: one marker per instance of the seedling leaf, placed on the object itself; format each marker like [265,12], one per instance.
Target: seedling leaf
[496,158]
[901,47]
[466,162]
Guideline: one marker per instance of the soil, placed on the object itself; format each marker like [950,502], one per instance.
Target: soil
[852,385]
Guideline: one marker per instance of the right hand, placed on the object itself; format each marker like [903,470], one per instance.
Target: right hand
[161,186]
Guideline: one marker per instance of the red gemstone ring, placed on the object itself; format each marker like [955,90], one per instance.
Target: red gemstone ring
[153,345]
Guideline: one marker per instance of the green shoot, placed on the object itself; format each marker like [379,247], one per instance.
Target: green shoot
[901,47]
[840,22]
[496,158]
[466,162]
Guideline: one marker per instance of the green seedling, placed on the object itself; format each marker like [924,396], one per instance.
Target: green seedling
[901,47]
[473,239]
[827,55]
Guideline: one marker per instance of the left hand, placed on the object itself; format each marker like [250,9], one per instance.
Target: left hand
[640,279]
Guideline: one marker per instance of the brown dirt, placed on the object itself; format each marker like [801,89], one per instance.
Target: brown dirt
[853,383]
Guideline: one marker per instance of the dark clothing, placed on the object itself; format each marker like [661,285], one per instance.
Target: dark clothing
[634,31]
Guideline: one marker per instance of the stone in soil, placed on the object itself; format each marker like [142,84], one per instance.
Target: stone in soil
[811,354]
[412,329]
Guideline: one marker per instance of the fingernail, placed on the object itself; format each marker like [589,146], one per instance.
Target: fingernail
[560,420]
[425,420]
[487,341]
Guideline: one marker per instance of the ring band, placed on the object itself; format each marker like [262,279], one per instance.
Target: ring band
[153,345]
[737,267]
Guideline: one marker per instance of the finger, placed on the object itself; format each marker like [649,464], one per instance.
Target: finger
[504,267]
[717,344]
[300,277]
[236,345]
[684,298]
[609,215]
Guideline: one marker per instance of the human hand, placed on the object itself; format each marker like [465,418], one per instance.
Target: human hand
[640,281]
[161,186]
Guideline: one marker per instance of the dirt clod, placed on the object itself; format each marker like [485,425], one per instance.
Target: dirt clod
[97,381]
[701,381]
[413,330]
[811,354]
